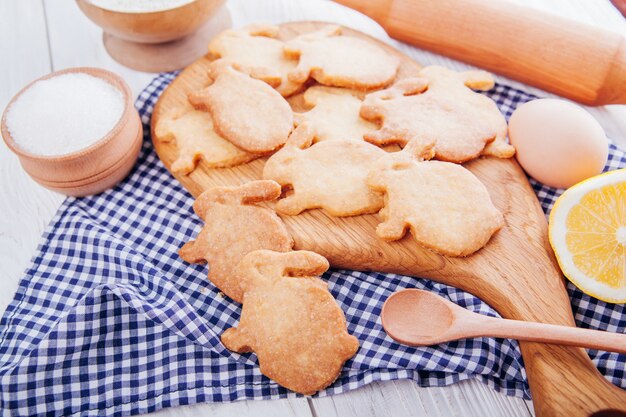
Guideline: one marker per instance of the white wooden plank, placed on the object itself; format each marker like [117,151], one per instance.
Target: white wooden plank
[598,13]
[278,11]
[25,206]
[529,406]
[371,400]
[24,46]
[406,398]
[274,408]
[475,393]
[79,44]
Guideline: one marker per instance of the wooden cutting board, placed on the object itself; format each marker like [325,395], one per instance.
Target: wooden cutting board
[516,272]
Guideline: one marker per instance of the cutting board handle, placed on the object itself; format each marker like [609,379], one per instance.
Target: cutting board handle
[571,59]
[563,380]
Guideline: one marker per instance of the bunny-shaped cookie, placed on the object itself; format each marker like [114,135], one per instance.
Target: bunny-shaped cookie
[334,114]
[447,208]
[291,321]
[330,174]
[245,111]
[340,60]
[440,107]
[256,51]
[234,227]
[197,141]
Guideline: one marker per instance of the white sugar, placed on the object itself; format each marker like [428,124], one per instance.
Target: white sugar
[139,6]
[64,114]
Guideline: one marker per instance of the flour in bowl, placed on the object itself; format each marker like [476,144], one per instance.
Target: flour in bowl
[139,6]
[64,114]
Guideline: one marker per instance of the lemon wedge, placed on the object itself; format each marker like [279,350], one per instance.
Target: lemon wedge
[587,231]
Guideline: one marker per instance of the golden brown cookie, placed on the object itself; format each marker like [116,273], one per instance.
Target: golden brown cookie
[439,106]
[341,61]
[291,321]
[330,175]
[247,112]
[447,208]
[256,51]
[235,226]
[334,114]
[197,140]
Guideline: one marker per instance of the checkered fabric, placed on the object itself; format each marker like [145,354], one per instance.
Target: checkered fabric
[108,320]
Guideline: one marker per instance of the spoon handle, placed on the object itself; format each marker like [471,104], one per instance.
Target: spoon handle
[551,333]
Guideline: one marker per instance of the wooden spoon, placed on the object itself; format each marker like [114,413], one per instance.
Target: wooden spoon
[420,318]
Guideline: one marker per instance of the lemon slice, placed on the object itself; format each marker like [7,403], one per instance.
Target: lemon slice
[588,234]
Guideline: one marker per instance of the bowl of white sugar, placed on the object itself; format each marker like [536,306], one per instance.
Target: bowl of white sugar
[75,131]
[156,35]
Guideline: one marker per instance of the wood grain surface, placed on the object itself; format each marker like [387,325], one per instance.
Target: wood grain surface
[515,273]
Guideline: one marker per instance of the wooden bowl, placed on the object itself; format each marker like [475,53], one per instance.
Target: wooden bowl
[160,41]
[152,27]
[95,168]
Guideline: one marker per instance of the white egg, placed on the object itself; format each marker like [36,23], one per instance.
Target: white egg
[557,142]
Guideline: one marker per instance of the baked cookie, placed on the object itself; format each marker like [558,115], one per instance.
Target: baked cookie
[447,208]
[439,106]
[334,114]
[291,321]
[341,61]
[235,226]
[247,112]
[197,140]
[256,51]
[329,175]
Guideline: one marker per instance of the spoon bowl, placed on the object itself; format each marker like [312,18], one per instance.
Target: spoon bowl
[417,318]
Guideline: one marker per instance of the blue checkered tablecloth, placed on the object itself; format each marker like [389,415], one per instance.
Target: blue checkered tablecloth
[108,320]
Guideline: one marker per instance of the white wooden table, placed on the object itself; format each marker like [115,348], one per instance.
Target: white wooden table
[40,36]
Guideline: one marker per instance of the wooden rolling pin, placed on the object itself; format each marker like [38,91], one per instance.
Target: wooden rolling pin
[571,59]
